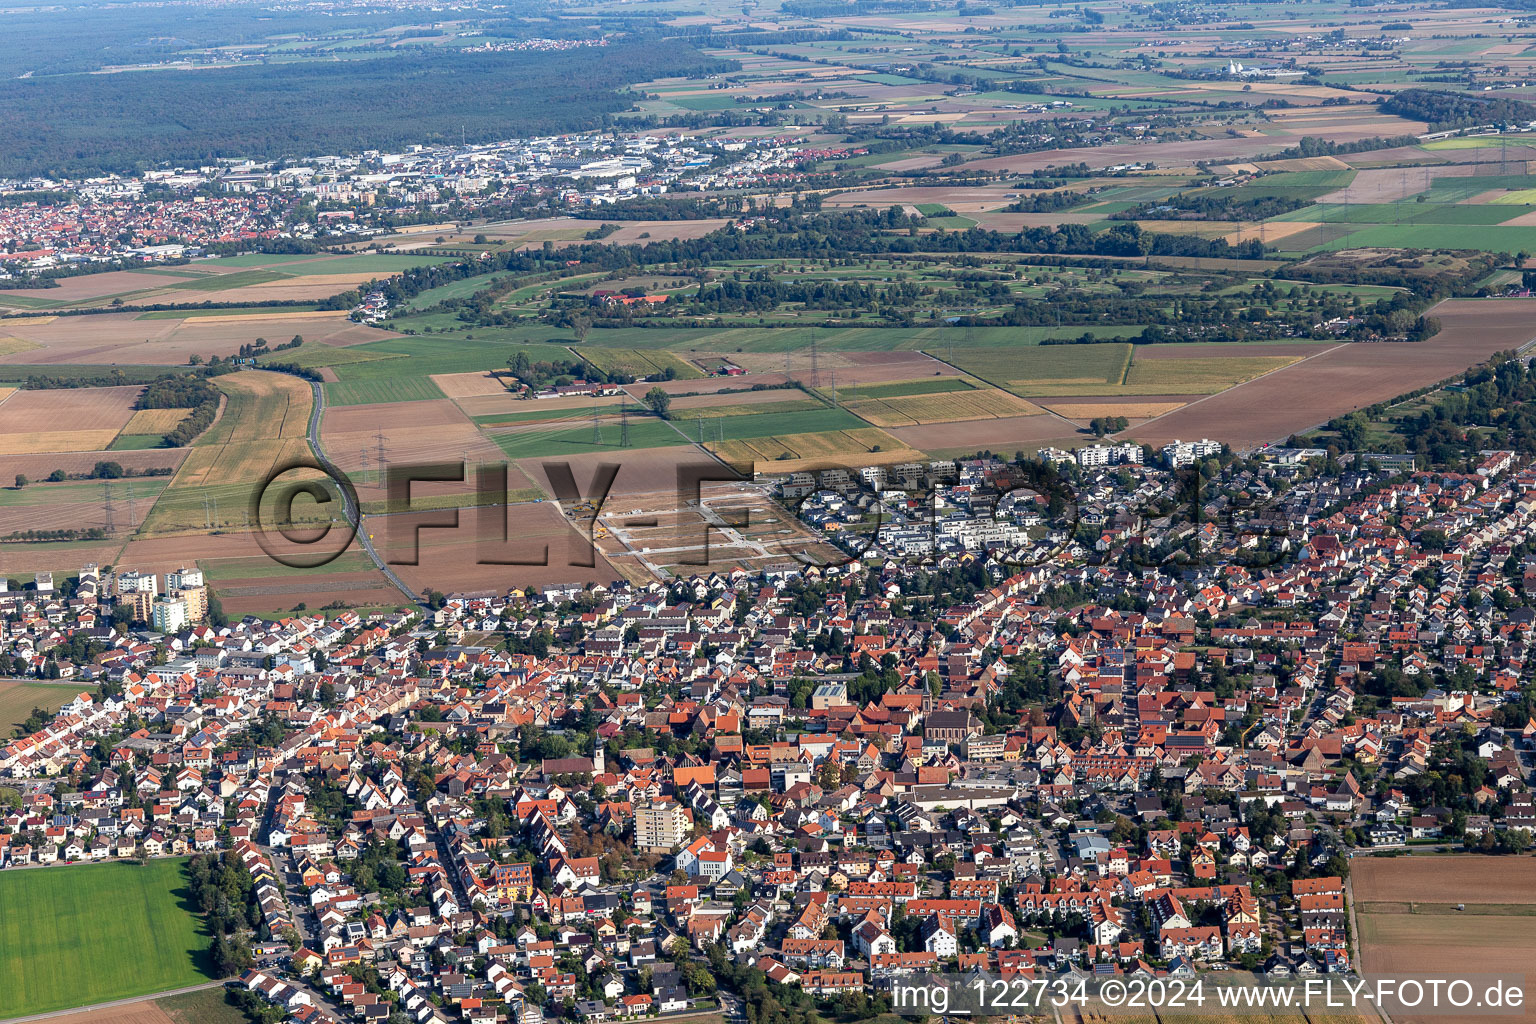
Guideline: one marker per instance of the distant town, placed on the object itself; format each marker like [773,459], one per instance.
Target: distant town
[181,212]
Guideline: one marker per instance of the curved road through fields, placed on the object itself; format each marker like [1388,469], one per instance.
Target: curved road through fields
[349,508]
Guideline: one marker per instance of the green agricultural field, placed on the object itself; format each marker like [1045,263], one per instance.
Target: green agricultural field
[41,492]
[1517,197]
[936,340]
[638,362]
[643,433]
[238,279]
[768,424]
[1454,190]
[383,264]
[1474,142]
[317,355]
[135,442]
[903,389]
[439,354]
[1259,190]
[950,223]
[1490,238]
[17,701]
[1053,366]
[535,415]
[1332,179]
[193,314]
[382,389]
[91,933]
[99,375]
[220,569]
[1200,375]
[1406,213]
[461,289]
[714,101]
[789,407]
[29,302]
[249,259]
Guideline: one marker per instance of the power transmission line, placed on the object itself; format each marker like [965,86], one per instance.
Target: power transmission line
[815,367]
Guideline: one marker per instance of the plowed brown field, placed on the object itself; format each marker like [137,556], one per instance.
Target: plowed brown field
[1349,377]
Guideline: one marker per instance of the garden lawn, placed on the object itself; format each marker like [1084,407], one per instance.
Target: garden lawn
[91,933]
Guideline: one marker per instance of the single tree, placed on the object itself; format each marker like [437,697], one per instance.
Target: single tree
[660,402]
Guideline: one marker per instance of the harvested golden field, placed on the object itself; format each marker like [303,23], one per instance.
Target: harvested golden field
[262,427]
[171,339]
[76,408]
[1006,434]
[792,452]
[6,393]
[946,407]
[9,345]
[256,318]
[1202,375]
[35,441]
[1268,231]
[1130,410]
[155,421]
[1304,163]
[469,385]
[1084,387]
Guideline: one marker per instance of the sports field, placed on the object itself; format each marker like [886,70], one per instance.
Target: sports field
[90,933]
